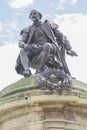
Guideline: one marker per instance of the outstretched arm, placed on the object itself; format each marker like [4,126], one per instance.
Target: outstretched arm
[68,48]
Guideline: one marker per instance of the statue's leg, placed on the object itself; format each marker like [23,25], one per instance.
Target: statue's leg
[44,55]
[25,62]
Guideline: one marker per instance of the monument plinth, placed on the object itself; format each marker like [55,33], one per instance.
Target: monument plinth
[23,106]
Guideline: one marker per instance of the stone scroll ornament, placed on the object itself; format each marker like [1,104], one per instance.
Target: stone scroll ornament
[44,47]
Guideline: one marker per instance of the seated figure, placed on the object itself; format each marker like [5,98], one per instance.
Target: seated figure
[42,45]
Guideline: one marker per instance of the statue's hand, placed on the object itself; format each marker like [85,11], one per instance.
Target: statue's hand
[25,46]
[71,52]
[32,47]
[21,44]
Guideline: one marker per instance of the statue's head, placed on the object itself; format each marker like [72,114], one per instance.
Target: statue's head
[35,15]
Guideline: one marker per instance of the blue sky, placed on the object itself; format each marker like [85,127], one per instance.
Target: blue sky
[15,13]
[70,15]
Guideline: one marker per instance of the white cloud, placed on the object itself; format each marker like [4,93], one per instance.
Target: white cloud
[62,3]
[1,26]
[18,4]
[73,2]
[74,26]
[51,4]
[13,25]
[60,6]
[9,32]
[18,13]
[8,55]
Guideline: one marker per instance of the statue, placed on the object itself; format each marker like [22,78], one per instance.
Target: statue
[43,47]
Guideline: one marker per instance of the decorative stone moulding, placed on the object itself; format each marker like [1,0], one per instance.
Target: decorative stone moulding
[23,106]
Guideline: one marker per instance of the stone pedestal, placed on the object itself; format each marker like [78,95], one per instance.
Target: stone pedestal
[35,109]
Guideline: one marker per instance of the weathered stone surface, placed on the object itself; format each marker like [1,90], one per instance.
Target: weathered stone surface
[23,108]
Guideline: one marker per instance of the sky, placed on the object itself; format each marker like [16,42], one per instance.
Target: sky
[70,15]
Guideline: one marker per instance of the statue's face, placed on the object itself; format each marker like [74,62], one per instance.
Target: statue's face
[34,16]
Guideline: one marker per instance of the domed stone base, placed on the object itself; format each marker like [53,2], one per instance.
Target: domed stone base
[35,109]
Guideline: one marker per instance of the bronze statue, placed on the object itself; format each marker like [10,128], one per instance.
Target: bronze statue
[43,46]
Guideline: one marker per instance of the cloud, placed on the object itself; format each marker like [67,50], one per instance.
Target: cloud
[62,3]
[74,26]
[8,55]
[13,26]
[18,13]
[1,26]
[8,33]
[73,2]
[51,4]
[18,4]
